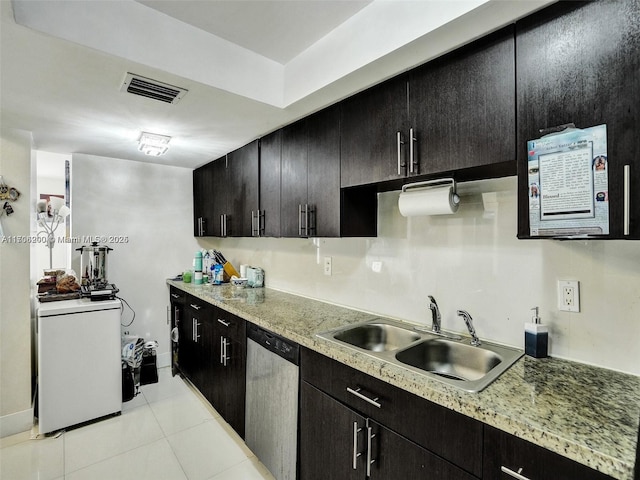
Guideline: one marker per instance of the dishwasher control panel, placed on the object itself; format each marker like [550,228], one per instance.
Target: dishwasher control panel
[274,343]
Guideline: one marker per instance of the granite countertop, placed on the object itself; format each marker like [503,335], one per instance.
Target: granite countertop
[585,413]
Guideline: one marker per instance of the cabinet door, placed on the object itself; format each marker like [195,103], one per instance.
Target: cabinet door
[450,435]
[294,177]
[230,368]
[505,453]
[186,344]
[580,62]
[270,157]
[368,128]
[332,436]
[462,107]
[202,201]
[242,189]
[323,130]
[393,456]
[218,197]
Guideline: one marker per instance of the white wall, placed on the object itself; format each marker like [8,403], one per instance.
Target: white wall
[15,287]
[150,206]
[471,261]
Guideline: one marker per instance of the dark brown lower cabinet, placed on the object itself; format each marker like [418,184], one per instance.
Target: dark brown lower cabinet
[349,418]
[337,443]
[227,383]
[507,457]
[212,355]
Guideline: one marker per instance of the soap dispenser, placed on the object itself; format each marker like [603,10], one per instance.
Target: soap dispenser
[536,337]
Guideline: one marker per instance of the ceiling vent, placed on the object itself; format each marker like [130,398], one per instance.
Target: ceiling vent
[146,87]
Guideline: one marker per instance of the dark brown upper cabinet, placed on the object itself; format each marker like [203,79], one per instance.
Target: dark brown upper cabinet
[451,114]
[242,191]
[462,108]
[579,62]
[267,221]
[371,123]
[310,176]
[203,203]
[225,193]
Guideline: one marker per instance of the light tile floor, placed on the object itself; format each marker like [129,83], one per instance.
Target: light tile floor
[166,432]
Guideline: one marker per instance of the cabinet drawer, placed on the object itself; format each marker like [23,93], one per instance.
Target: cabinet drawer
[176,295]
[450,435]
[197,305]
[506,454]
[229,325]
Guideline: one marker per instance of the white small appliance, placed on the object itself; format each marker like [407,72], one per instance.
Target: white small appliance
[79,366]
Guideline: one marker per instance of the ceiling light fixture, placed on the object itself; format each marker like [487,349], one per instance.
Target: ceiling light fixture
[153,144]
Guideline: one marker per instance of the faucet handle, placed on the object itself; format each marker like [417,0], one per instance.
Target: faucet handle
[475,341]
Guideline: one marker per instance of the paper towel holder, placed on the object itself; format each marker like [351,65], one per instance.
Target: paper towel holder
[434,183]
[417,187]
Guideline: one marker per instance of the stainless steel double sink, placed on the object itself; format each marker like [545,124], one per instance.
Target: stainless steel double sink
[444,357]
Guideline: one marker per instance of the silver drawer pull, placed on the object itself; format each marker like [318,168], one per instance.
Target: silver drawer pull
[513,474]
[226,324]
[174,295]
[357,393]
[195,306]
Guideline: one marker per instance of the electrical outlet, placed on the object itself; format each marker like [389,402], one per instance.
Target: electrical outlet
[569,295]
[327,265]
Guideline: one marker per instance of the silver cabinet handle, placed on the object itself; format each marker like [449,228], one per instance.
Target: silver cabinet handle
[513,474]
[223,225]
[311,220]
[195,306]
[357,393]
[369,460]
[176,315]
[412,160]
[175,295]
[356,454]
[399,143]
[300,231]
[627,198]
[226,324]
[303,219]
[253,223]
[223,349]
[196,328]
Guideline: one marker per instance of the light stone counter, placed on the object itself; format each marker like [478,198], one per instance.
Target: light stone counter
[585,413]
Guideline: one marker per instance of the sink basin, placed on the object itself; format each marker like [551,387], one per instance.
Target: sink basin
[377,337]
[440,357]
[450,359]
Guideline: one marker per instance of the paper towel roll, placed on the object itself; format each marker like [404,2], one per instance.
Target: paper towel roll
[428,201]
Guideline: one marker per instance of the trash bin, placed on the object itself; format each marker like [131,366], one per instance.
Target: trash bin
[148,367]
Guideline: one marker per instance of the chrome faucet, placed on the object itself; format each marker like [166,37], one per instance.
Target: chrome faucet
[435,315]
[475,341]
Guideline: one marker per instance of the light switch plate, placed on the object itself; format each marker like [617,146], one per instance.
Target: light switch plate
[327,265]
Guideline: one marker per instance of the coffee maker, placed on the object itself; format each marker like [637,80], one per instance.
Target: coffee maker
[93,267]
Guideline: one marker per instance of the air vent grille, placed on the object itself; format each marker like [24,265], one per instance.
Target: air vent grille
[153,89]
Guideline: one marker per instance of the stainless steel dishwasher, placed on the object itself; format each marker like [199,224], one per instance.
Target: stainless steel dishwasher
[271,421]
